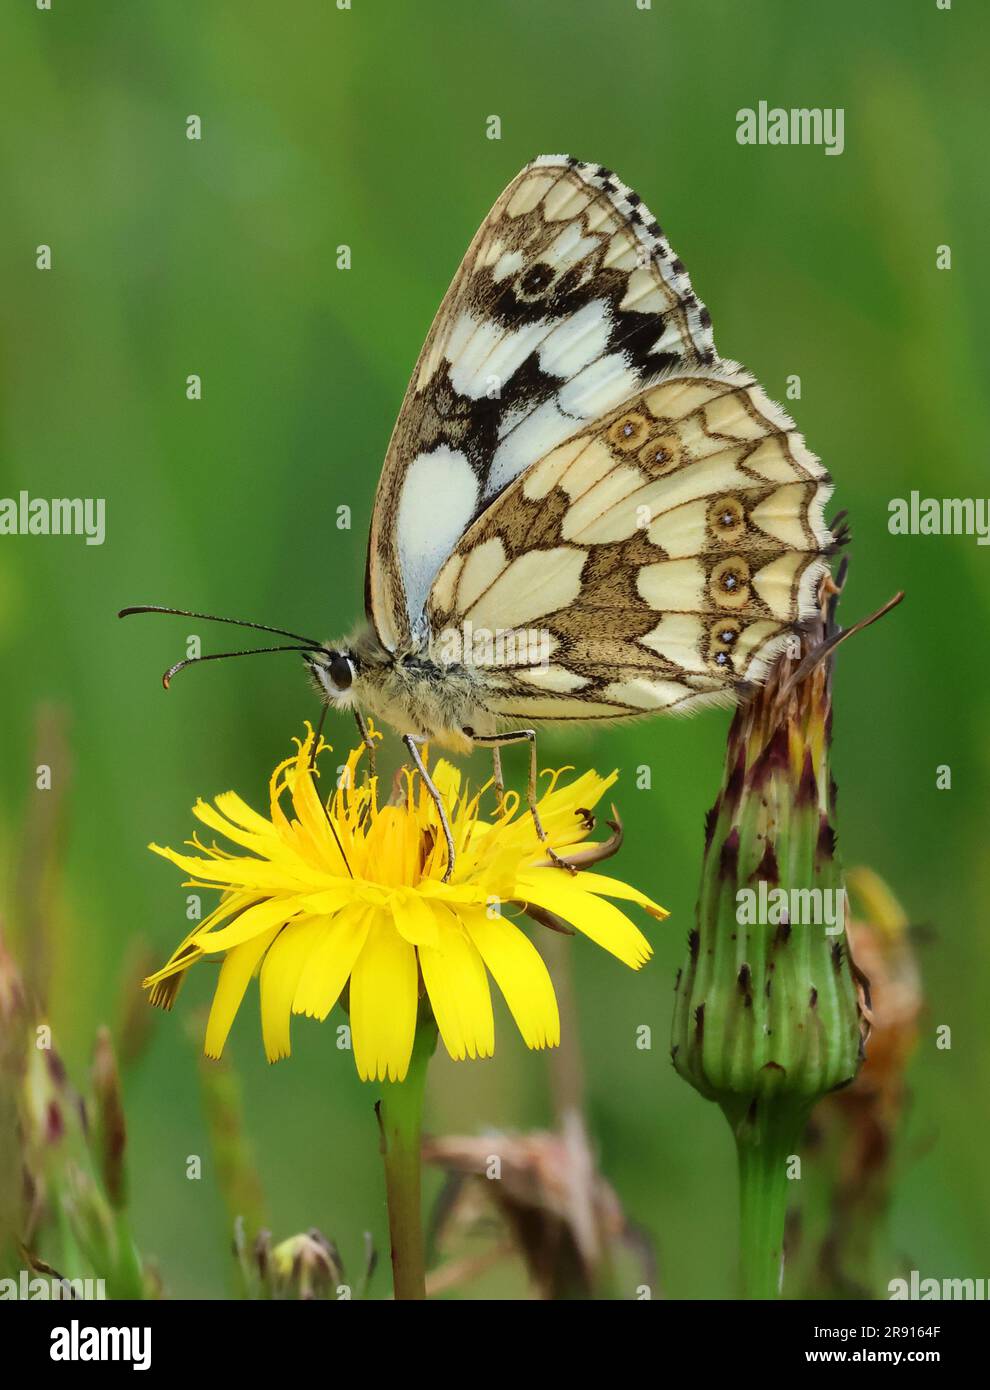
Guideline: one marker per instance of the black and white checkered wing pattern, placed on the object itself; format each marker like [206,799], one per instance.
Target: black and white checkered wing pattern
[568,302]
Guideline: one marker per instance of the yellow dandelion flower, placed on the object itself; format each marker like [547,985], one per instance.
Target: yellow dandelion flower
[349,893]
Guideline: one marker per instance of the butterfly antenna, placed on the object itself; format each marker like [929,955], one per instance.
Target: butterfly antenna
[222,656]
[825,649]
[215,618]
[309,644]
[841,531]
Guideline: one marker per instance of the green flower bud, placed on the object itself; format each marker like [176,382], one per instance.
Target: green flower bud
[768,1004]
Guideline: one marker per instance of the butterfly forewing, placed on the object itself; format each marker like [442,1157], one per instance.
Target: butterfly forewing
[657,559]
[568,301]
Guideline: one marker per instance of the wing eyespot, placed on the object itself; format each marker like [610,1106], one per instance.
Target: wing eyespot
[729,584]
[726,520]
[660,455]
[721,638]
[629,432]
[535,282]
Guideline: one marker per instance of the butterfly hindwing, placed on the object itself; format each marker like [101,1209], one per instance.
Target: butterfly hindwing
[567,302]
[657,559]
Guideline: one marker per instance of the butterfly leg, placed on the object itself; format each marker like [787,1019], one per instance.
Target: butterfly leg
[410,742]
[497,741]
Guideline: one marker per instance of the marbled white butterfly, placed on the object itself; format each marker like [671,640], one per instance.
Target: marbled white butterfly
[584,512]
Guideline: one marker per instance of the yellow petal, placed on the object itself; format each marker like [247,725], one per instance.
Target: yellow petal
[237,969]
[392,847]
[252,920]
[520,974]
[237,810]
[247,873]
[280,973]
[190,949]
[447,780]
[415,920]
[256,842]
[559,808]
[313,818]
[330,961]
[330,900]
[455,979]
[384,985]
[615,888]
[597,919]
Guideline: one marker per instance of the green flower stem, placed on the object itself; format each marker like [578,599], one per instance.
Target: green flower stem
[768,1132]
[401,1116]
[128,1280]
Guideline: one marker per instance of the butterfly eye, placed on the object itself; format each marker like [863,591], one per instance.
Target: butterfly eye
[341,671]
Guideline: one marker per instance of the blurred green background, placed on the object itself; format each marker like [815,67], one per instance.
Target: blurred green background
[217,257]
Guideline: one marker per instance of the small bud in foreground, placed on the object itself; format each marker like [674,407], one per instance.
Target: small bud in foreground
[306,1266]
